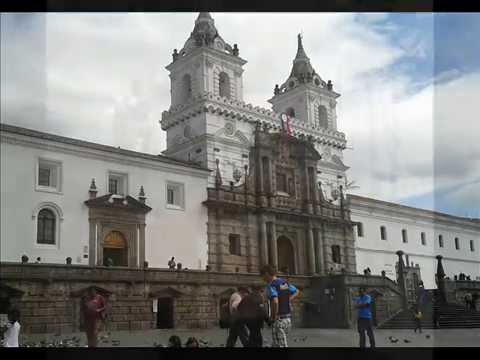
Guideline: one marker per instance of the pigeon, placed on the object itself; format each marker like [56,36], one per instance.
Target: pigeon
[427,336]
[406,341]
[392,339]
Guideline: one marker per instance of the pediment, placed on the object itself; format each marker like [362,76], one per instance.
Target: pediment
[168,291]
[84,291]
[111,201]
[9,292]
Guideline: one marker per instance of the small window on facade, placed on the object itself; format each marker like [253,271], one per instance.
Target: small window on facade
[234,242]
[457,244]
[383,232]
[224,85]
[290,112]
[472,247]
[404,236]
[186,87]
[336,254]
[175,195]
[49,175]
[423,238]
[322,117]
[440,241]
[282,182]
[46,225]
[360,229]
[117,184]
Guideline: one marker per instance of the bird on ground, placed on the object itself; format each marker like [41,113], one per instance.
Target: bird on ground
[427,336]
[392,339]
[406,341]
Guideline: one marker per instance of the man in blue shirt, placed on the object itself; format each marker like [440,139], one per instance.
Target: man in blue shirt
[279,294]
[363,303]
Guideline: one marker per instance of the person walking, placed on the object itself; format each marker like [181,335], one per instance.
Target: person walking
[280,295]
[237,328]
[468,301]
[171,264]
[94,309]
[363,303]
[11,331]
[418,319]
[253,311]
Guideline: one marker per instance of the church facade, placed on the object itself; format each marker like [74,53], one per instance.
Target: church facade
[238,186]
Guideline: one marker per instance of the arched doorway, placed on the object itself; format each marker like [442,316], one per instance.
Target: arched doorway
[286,255]
[115,252]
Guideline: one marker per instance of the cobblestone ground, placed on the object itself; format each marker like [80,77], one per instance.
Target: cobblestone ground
[299,337]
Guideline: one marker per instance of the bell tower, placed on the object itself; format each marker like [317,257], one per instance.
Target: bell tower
[311,104]
[206,63]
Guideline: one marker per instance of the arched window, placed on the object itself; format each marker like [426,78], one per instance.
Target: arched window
[46,227]
[440,241]
[322,117]
[423,238]
[224,85]
[290,112]
[404,236]
[457,244]
[186,87]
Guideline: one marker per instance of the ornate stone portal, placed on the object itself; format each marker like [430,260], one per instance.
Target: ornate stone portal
[278,214]
[117,231]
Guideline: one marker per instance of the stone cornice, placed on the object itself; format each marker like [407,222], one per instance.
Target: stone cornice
[247,112]
[411,254]
[51,145]
[205,52]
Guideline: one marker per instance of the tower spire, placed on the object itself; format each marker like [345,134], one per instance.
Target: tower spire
[301,55]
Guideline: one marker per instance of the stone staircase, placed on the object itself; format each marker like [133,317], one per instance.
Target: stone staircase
[451,316]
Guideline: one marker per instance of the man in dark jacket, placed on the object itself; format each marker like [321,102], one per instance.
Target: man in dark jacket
[252,310]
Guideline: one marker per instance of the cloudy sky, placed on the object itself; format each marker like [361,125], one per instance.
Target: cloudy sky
[410,86]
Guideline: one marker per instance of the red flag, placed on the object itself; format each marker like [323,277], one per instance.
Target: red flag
[286,124]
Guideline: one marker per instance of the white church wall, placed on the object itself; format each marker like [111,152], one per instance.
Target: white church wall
[179,233]
[380,254]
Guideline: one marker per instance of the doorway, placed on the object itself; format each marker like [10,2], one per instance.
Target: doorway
[165,313]
[286,255]
[115,249]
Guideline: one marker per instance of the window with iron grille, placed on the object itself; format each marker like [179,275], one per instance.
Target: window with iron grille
[234,244]
[46,222]
[336,254]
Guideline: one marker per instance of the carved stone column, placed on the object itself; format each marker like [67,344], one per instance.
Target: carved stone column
[218,238]
[319,245]
[91,243]
[310,250]
[263,240]
[141,247]
[273,245]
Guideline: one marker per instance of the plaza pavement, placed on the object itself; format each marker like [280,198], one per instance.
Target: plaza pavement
[299,337]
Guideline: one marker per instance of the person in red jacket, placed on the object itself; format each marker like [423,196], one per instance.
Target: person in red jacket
[94,312]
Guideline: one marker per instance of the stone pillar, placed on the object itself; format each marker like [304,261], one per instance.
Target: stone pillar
[98,246]
[141,241]
[319,245]
[401,278]
[263,240]
[273,245]
[248,242]
[308,200]
[218,238]
[91,243]
[310,250]
[325,249]
[440,278]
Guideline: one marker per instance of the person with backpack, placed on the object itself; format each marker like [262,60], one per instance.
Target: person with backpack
[253,311]
[280,294]
[237,328]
